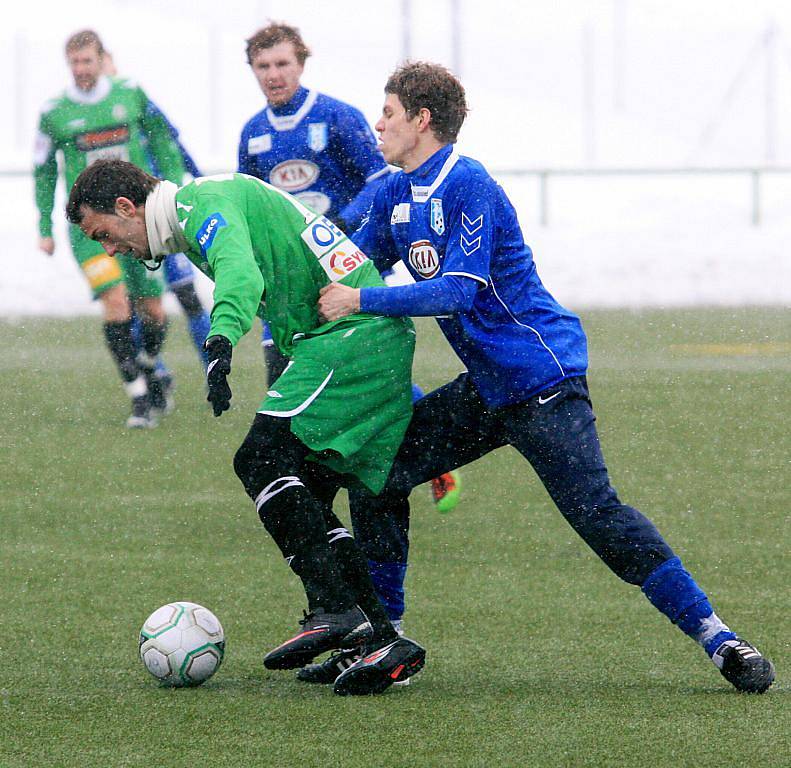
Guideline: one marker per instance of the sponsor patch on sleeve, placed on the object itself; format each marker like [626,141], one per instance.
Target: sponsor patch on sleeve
[208,230]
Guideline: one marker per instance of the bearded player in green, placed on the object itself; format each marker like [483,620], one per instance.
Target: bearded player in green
[100,117]
[339,410]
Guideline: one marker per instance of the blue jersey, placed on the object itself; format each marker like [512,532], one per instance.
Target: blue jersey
[450,218]
[320,150]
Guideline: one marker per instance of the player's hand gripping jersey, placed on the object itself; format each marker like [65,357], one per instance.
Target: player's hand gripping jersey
[111,121]
[450,219]
[348,390]
[318,149]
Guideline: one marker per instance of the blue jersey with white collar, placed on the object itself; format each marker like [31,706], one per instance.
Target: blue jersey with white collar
[450,218]
[320,150]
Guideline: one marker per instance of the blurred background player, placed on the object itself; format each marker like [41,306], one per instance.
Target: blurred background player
[526,356]
[322,151]
[177,269]
[319,149]
[96,118]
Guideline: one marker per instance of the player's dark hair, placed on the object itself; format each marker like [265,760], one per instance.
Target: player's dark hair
[83,39]
[273,33]
[421,84]
[103,182]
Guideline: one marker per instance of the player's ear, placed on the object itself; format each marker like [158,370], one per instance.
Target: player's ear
[423,119]
[124,207]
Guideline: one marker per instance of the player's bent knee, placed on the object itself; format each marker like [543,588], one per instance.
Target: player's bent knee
[269,451]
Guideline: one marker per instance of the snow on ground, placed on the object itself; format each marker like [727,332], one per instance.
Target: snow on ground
[610,242]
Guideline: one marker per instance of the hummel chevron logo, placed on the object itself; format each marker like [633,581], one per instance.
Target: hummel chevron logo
[471,225]
[470,246]
[543,400]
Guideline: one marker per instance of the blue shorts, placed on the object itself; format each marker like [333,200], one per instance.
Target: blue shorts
[178,270]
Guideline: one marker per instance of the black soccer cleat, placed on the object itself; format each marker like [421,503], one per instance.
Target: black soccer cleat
[321,631]
[327,671]
[380,667]
[743,666]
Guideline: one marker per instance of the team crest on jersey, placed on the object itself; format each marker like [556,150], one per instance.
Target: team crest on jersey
[317,136]
[437,216]
[208,231]
[119,112]
[294,175]
[257,145]
[423,258]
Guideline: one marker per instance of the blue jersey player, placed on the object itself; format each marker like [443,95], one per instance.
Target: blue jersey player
[319,149]
[525,355]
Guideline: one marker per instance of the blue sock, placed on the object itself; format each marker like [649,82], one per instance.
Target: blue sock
[199,329]
[388,579]
[674,592]
[137,331]
[417,393]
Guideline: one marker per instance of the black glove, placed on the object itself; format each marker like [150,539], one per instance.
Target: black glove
[218,352]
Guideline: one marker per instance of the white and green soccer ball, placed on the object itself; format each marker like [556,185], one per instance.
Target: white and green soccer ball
[182,644]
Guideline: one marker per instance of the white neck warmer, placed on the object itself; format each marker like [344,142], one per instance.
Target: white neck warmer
[162,222]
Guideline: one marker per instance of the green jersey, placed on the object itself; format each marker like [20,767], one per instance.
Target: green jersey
[268,255]
[114,120]
[347,391]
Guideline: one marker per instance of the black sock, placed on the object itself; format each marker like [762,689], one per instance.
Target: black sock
[188,298]
[293,519]
[152,336]
[122,348]
[354,571]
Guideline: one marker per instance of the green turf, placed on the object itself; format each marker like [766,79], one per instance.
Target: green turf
[537,655]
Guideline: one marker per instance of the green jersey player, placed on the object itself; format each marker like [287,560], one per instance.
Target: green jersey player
[339,411]
[101,117]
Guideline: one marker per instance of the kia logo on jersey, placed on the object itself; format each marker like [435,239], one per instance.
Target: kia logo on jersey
[294,175]
[423,258]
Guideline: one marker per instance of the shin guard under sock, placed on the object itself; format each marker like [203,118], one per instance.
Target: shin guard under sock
[122,348]
[294,520]
[673,591]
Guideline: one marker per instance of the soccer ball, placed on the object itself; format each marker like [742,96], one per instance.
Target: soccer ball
[182,644]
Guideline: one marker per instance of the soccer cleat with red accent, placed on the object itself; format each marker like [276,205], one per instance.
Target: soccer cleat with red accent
[446,491]
[380,667]
[744,666]
[320,632]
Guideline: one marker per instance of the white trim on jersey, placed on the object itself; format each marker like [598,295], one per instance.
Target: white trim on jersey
[377,174]
[477,278]
[94,96]
[421,194]
[529,327]
[289,122]
[303,406]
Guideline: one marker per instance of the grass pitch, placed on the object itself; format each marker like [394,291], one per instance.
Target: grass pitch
[537,655]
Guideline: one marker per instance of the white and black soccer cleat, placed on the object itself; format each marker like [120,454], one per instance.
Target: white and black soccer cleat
[321,631]
[744,666]
[327,671]
[141,416]
[380,667]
